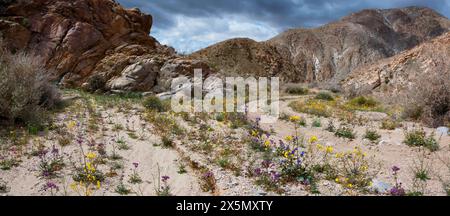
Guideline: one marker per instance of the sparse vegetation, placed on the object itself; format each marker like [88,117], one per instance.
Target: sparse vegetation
[418,138]
[364,104]
[324,96]
[155,104]
[345,132]
[297,90]
[372,135]
[25,91]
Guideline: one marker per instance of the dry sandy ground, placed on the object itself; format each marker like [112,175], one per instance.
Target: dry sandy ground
[389,151]
[153,159]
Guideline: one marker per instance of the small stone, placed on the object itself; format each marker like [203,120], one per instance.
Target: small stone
[380,186]
[441,131]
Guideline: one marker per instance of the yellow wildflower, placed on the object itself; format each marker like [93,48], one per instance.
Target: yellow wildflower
[74,187]
[339,155]
[364,168]
[337,180]
[286,154]
[71,125]
[319,146]
[294,118]
[329,149]
[254,133]
[313,139]
[98,185]
[91,155]
[350,185]
[288,138]
[267,143]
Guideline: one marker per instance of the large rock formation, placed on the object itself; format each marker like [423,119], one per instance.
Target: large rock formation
[393,79]
[96,44]
[330,52]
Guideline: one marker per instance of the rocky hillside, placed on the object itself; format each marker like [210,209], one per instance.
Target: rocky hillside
[96,44]
[330,52]
[417,77]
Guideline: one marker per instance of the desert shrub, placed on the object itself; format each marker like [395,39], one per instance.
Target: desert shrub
[96,82]
[25,90]
[354,169]
[363,103]
[433,97]
[389,124]
[345,132]
[413,112]
[372,135]
[155,104]
[324,96]
[297,90]
[313,107]
[418,138]
[317,123]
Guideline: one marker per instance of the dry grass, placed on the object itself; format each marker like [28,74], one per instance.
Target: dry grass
[25,91]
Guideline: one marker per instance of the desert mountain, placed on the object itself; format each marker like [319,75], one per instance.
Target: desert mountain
[96,44]
[330,52]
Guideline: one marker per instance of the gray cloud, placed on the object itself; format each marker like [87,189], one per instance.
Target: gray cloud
[192,24]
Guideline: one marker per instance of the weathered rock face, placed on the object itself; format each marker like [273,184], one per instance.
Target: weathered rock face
[328,53]
[394,78]
[244,57]
[96,44]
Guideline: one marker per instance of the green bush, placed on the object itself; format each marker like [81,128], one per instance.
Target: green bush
[389,124]
[155,104]
[297,90]
[345,132]
[372,135]
[324,96]
[418,137]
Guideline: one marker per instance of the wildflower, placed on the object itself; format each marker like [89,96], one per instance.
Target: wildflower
[339,155]
[50,185]
[329,149]
[136,164]
[258,171]
[313,139]
[286,154]
[364,168]
[337,180]
[254,133]
[74,187]
[395,169]
[98,185]
[350,185]
[288,138]
[91,155]
[294,118]
[71,125]
[319,146]
[267,143]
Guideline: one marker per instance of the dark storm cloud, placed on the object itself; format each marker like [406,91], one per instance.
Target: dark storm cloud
[262,16]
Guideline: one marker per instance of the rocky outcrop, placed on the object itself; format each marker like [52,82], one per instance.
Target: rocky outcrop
[96,44]
[329,53]
[393,79]
[244,57]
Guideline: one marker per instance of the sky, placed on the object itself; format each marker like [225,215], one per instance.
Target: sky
[189,25]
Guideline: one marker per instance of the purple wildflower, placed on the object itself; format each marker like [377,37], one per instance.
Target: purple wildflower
[165,178]
[258,171]
[136,164]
